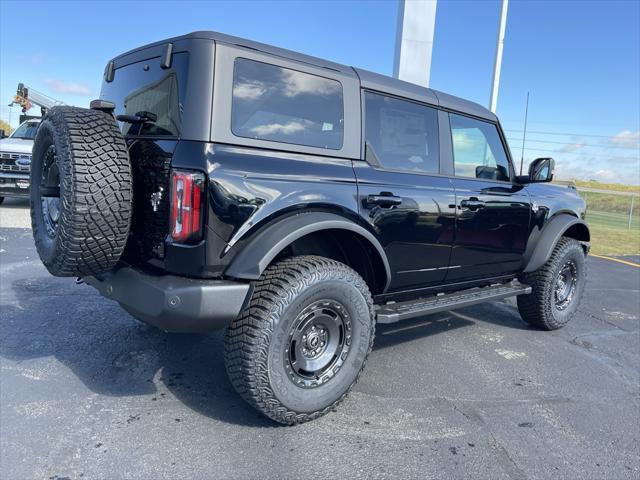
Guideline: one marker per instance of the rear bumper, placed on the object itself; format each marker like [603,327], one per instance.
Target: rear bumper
[172,303]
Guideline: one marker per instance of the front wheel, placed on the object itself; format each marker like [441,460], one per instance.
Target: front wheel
[557,287]
[301,343]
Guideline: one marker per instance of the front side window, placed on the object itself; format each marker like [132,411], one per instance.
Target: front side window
[403,135]
[477,149]
[284,105]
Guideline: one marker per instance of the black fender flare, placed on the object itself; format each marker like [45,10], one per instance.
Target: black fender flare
[255,256]
[547,239]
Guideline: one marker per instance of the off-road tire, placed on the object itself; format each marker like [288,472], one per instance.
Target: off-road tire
[539,308]
[95,192]
[255,341]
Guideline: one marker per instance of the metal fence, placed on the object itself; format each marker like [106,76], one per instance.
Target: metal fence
[616,210]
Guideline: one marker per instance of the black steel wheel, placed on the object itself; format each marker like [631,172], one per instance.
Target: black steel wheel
[319,341]
[50,192]
[557,287]
[302,342]
[566,283]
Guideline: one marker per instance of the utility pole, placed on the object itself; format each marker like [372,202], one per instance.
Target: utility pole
[414,41]
[495,84]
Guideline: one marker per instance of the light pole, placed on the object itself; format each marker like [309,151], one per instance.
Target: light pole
[495,84]
[414,40]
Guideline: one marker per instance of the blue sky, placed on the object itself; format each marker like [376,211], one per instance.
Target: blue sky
[580,60]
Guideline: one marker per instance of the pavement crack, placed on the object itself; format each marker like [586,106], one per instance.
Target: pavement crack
[510,466]
[595,317]
[472,415]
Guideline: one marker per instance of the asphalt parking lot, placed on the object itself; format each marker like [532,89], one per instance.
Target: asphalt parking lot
[88,392]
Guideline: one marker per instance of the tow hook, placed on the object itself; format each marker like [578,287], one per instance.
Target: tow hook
[79,281]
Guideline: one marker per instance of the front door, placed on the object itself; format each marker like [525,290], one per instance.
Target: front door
[401,196]
[493,213]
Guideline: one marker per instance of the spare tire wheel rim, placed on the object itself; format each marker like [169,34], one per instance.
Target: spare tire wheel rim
[565,286]
[318,343]
[50,191]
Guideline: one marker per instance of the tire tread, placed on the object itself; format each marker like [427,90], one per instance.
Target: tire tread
[247,338]
[96,193]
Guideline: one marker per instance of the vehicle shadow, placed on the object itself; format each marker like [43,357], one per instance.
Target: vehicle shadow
[113,354]
[15,203]
[497,313]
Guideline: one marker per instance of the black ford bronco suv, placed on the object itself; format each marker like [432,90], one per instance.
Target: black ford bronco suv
[221,183]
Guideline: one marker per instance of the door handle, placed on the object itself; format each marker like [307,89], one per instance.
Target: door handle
[383,200]
[472,204]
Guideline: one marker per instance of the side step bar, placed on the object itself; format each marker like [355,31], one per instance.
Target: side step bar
[394,312]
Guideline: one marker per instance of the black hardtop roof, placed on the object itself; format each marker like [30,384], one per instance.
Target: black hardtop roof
[369,80]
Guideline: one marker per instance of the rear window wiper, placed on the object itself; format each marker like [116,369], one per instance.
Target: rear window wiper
[139,117]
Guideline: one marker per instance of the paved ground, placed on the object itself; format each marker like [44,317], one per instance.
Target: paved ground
[87,392]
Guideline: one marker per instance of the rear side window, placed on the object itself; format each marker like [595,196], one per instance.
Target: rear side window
[477,149]
[403,135]
[284,105]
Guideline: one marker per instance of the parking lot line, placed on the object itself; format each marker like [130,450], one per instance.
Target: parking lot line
[619,260]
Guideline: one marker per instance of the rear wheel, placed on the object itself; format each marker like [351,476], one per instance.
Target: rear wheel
[301,343]
[557,287]
[80,192]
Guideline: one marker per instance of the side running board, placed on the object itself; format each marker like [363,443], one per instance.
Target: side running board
[394,312]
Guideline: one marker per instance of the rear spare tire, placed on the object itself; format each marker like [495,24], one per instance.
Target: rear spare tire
[80,192]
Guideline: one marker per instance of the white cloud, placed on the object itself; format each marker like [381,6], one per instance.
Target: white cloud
[73,88]
[249,90]
[573,147]
[616,169]
[271,128]
[627,138]
[297,83]
[607,175]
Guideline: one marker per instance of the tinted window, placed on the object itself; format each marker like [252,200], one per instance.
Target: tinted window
[477,149]
[284,105]
[146,86]
[402,134]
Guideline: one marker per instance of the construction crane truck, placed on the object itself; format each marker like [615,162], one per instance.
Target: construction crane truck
[15,150]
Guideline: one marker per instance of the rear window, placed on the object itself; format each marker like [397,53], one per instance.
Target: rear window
[145,86]
[284,105]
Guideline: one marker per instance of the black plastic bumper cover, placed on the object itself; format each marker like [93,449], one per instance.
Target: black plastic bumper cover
[172,303]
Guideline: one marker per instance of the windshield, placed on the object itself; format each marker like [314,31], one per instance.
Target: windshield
[26,131]
[147,87]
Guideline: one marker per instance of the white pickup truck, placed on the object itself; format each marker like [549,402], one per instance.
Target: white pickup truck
[15,160]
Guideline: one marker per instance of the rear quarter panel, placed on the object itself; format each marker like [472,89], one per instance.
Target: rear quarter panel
[249,188]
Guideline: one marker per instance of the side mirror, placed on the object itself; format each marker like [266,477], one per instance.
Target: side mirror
[540,170]
[3,134]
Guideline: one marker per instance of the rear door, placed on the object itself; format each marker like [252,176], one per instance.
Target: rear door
[493,213]
[401,194]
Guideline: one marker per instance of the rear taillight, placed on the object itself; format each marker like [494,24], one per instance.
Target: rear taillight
[186,205]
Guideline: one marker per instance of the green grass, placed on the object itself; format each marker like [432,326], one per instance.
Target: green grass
[610,234]
[617,187]
[608,217]
[615,204]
